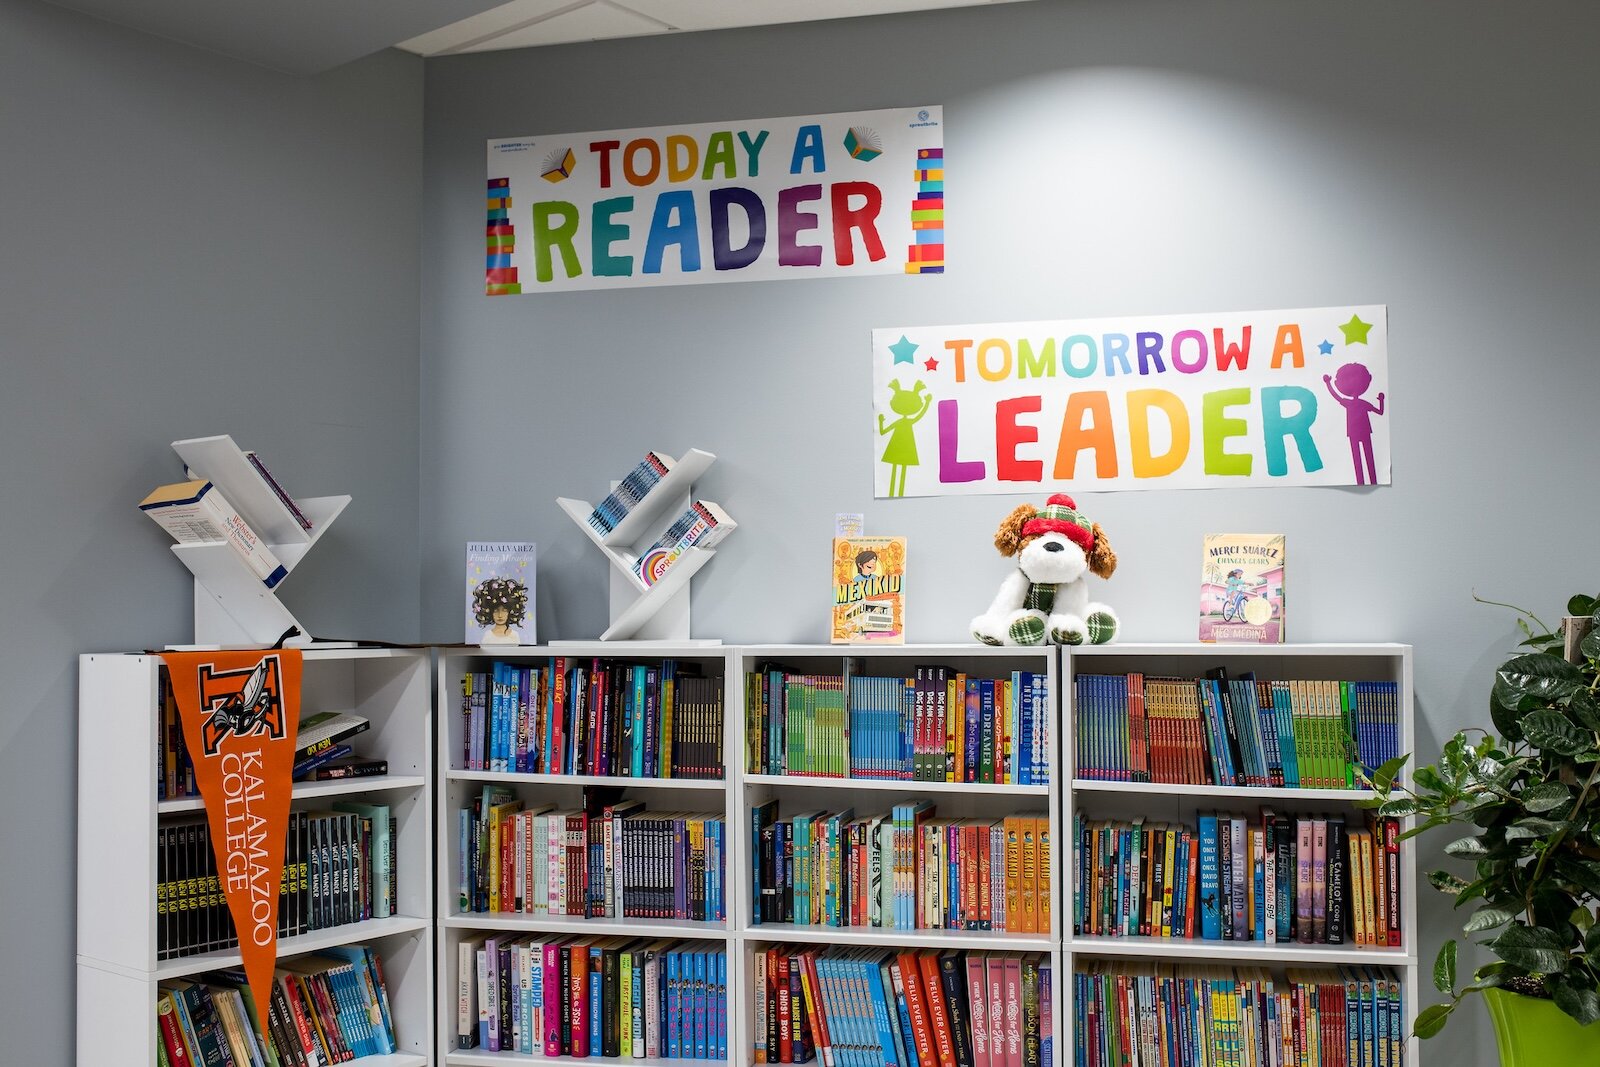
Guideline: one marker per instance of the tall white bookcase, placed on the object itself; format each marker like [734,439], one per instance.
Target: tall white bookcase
[870,796]
[1182,803]
[735,795]
[459,785]
[119,815]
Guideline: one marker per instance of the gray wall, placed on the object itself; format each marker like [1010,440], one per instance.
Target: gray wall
[191,246]
[1437,157]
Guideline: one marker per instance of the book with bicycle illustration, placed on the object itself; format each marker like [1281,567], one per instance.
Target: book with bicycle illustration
[1241,588]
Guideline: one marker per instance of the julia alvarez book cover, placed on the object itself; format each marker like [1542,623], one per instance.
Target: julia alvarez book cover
[1241,588]
[869,606]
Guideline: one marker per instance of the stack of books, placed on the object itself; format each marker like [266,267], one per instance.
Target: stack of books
[1275,878]
[594,717]
[609,859]
[1135,1011]
[602,998]
[883,1006]
[1240,731]
[625,497]
[937,726]
[906,869]
[327,1008]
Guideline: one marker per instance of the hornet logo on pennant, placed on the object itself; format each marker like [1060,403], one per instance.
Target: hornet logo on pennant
[241,703]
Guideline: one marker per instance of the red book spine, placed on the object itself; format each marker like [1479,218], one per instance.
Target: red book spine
[297,1013]
[177,1055]
[785,1009]
[1391,848]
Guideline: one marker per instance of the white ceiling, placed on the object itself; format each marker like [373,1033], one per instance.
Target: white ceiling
[528,23]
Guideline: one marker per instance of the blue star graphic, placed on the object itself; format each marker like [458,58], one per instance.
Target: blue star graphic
[1326,348]
[903,350]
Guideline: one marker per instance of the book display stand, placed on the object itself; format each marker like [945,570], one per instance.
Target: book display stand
[232,608]
[658,612]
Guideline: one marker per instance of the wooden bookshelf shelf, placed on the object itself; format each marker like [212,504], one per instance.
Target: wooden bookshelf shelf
[1251,952]
[880,785]
[306,791]
[1223,795]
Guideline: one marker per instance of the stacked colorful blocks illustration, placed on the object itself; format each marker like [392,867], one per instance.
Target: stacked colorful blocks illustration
[499,276]
[926,256]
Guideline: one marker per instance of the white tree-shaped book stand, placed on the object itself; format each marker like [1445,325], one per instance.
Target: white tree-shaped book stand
[231,605]
[658,612]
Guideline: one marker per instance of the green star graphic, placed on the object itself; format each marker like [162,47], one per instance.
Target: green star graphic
[1355,331]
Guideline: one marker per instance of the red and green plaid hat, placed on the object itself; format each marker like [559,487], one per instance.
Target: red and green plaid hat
[1061,515]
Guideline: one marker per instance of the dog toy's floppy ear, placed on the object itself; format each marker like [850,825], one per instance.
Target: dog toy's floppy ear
[1008,539]
[1102,560]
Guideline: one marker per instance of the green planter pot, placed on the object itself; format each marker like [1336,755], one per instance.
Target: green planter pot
[1536,1033]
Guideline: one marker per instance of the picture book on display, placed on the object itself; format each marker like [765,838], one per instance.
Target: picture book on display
[500,589]
[1241,588]
[868,596]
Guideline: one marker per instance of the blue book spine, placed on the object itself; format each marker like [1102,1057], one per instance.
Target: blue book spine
[719,1007]
[1024,699]
[597,1035]
[636,750]
[699,1009]
[496,709]
[674,1004]
[908,1039]
[1210,915]
[879,1000]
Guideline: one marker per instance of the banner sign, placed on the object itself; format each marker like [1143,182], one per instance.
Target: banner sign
[817,196]
[240,713]
[1203,401]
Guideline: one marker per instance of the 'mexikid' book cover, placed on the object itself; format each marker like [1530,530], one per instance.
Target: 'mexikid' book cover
[1241,588]
[500,586]
[869,605]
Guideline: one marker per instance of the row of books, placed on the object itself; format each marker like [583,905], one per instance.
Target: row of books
[593,717]
[1276,878]
[608,859]
[939,725]
[1139,1012]
[903,870]
[324,1009]
[320,749]
[611,998]
[1239,731]
[339,867]
[881,1008]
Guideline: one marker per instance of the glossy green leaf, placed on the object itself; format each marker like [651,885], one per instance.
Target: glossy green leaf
[1554,732]
[1487,919]
[1578,1000]
[1430,1020]
[1534,949]
[1444,967]
[1582,604]
[1545,796]
[1445,882]
[1466,846]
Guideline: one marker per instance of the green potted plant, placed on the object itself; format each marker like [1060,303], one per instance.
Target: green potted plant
[1527,794]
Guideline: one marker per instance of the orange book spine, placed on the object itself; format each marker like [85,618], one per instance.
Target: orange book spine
[1043,911]
[1013,888]
[938,1013]
[917,1007]
[1029,889]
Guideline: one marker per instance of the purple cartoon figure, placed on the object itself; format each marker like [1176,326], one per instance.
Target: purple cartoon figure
[1347,385]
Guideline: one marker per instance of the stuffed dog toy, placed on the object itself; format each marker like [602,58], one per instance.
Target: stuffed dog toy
[1046,597]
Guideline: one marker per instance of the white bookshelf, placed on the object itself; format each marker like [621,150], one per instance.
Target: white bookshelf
[459,785]
[870,796]
[119,815]
[1182,803]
